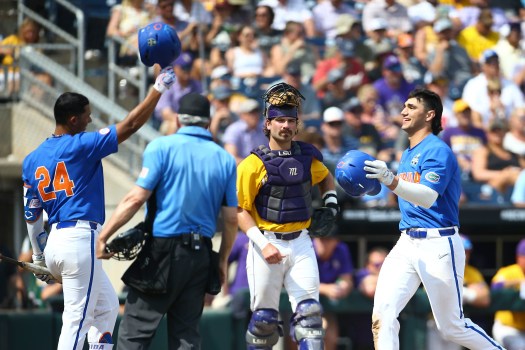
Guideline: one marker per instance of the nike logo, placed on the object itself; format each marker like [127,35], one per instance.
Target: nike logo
[441,256]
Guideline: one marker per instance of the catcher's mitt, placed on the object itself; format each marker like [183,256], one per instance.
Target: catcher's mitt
[127,244]
[323,222]
[283,94]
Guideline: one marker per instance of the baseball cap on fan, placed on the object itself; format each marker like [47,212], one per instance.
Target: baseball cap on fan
[184,61]
[392,63]
[520,249]
[333,114]
[488,56]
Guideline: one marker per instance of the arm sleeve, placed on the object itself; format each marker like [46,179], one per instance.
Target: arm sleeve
[34,221]
[417,194]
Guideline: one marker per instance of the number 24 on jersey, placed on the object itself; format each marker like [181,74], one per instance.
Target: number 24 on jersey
[61,182]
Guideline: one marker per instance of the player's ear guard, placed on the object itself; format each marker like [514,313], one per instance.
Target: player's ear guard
[351,177]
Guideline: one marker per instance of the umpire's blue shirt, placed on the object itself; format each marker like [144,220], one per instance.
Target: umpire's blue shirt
[194,177]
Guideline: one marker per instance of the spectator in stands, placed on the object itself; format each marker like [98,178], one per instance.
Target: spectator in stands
[448,59]
[413,70]
[349,28]
[392,91]
[366,277]
[439,85]
[336,94]
[168,105]
[223,34]
[28,33]
[518,193]
[479,37]
[494,166]
[425,38]
[245,134]
[192,12]
[266,35]
[326,14]
[125,21]
[465,16]
[310,111]
[221,113]
[343,57]
[465,138]
[336,143]
[379,43]
[367,135]
[293,47]
[482,101]
[476,292]
[392,12]
[335,276]
[511,54]
[186,31]
[514,140]
[246,60]
[291,11]
[509,326]
[239,284]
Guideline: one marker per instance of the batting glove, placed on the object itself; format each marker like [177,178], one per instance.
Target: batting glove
[165,80]
[378,170]
[41,261]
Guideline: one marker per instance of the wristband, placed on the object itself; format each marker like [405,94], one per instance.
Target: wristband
[469,295]
[257,237]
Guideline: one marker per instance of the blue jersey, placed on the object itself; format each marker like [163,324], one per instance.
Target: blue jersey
[64,176]
[431,163]
[193,177]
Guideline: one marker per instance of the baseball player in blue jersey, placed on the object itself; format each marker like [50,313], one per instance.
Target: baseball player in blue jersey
[63,176]
[429,250]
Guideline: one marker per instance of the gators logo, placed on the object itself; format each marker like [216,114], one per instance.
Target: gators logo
[432,177]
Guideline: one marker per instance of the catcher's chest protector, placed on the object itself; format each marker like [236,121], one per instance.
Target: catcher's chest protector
[286,195]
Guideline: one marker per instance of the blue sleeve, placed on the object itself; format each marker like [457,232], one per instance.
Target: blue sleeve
[231,199]
[99,144]
[151,167]
[438,166]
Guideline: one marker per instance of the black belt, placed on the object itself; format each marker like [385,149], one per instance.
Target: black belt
[422,233]
[73,223]
[287,236]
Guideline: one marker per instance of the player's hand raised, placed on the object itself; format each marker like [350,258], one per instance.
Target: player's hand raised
[165,79]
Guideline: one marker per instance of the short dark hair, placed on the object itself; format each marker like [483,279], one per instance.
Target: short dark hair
[69,104]
[432,102]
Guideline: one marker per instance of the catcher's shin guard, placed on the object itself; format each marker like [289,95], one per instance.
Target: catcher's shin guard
[264,330]
[307,325]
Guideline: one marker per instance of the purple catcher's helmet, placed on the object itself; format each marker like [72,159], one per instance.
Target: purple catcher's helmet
[351,176]
[158,43]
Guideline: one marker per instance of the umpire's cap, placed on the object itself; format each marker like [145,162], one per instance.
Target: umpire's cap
[195,104]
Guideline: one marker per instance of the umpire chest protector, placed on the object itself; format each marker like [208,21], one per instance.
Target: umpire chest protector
[286,195]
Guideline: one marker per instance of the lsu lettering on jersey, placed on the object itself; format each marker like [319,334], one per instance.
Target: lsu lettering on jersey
[64,177]
[431,163]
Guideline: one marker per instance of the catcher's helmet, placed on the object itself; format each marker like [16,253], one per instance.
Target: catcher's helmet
[158,43]
[351,176]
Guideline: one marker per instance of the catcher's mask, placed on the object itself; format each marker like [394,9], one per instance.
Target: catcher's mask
[127,244]
[281,100]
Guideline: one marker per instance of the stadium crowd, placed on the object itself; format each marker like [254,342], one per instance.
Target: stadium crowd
[355,62]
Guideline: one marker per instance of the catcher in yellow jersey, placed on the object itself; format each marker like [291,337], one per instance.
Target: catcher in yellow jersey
[275,209]
[509,326]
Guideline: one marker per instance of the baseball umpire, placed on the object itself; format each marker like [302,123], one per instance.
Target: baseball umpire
[274,186]
[193,178]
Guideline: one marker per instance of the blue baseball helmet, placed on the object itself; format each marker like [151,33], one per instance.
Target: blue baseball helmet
[158,43]
[351,176]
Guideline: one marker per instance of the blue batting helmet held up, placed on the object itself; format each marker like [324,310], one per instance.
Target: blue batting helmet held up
[351,177]
[158,43]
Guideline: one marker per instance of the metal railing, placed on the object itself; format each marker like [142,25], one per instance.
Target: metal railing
[139,80]
[103,111]
[76,43]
